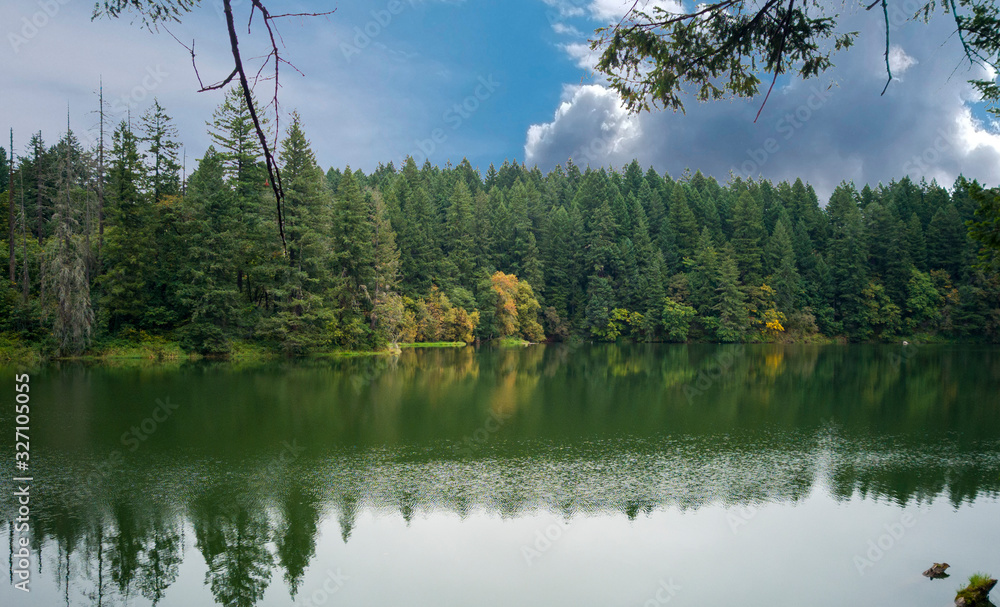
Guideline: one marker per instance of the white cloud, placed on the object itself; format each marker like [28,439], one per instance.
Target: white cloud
[922,127]
[581,54]
[607,10]
[566,8]
[899,61]
[590,125]
[568,30]
[974,136]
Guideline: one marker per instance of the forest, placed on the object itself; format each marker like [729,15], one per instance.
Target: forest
[117,244]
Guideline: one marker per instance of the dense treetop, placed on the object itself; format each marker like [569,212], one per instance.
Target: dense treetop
[113,243]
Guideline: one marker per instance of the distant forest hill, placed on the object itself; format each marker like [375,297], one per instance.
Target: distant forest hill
[109,244]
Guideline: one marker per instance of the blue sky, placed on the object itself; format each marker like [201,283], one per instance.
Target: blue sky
[503,80]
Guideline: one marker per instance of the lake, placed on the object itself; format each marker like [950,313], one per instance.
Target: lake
[604,475]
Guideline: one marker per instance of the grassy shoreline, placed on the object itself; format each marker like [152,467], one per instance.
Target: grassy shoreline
[158,350]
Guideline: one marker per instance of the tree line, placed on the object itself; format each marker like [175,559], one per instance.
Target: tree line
[113,243]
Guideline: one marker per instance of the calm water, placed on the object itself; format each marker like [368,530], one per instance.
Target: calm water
[549,475]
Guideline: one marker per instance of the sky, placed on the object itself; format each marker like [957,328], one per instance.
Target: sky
[493,81]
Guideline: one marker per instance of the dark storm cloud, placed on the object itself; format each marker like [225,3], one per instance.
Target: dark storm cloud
[922,127]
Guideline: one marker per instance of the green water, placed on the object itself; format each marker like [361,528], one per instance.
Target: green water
[546,475]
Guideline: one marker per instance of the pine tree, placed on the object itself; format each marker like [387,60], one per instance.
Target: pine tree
[601,301]
[37,172]
[415,227]
[702,272]
[307,211]
[649,271]
[159,134]
[525,260]
[460,235]
[784,276]
[683,225]
[74,317]
[387,312]
[127,261]
[731,315]
[748,231]
[353,242]
[915,243]
[233,132]
[603,255]
[946,241]
[561,263]
[235,139]
[216,311]
[846,256]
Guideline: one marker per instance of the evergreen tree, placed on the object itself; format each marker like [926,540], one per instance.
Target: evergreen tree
[234,135]
[74,317]
[748,226]
[387,309]
[159,134]
[460,235]
[307,211]
[127,261]
[846,256]
[784,276]
[731,315]
[683,227]
[353,242]
[916,246]
[216,311]
[946,241]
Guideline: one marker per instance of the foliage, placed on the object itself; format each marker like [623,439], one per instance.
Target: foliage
[719,48]
[676,319]
[443,254]
[985,228]
[976,591]
[516,308]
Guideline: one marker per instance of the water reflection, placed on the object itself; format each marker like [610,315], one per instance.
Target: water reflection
[255,459]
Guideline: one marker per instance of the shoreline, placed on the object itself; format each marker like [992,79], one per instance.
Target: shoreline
[15,352]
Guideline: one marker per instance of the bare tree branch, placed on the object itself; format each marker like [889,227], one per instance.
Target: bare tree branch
[781,51]
[158,13]
[272,165]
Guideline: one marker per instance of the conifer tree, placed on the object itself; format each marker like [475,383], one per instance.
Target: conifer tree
[125,286]
[748,230]
[74,316]
[784,276]
[846,256]
[731,316]
[683,225]
[216,310]
[159,133]
[946,241]
[353,243]
[460,235]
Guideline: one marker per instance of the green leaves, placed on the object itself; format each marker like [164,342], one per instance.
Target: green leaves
[718,50]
